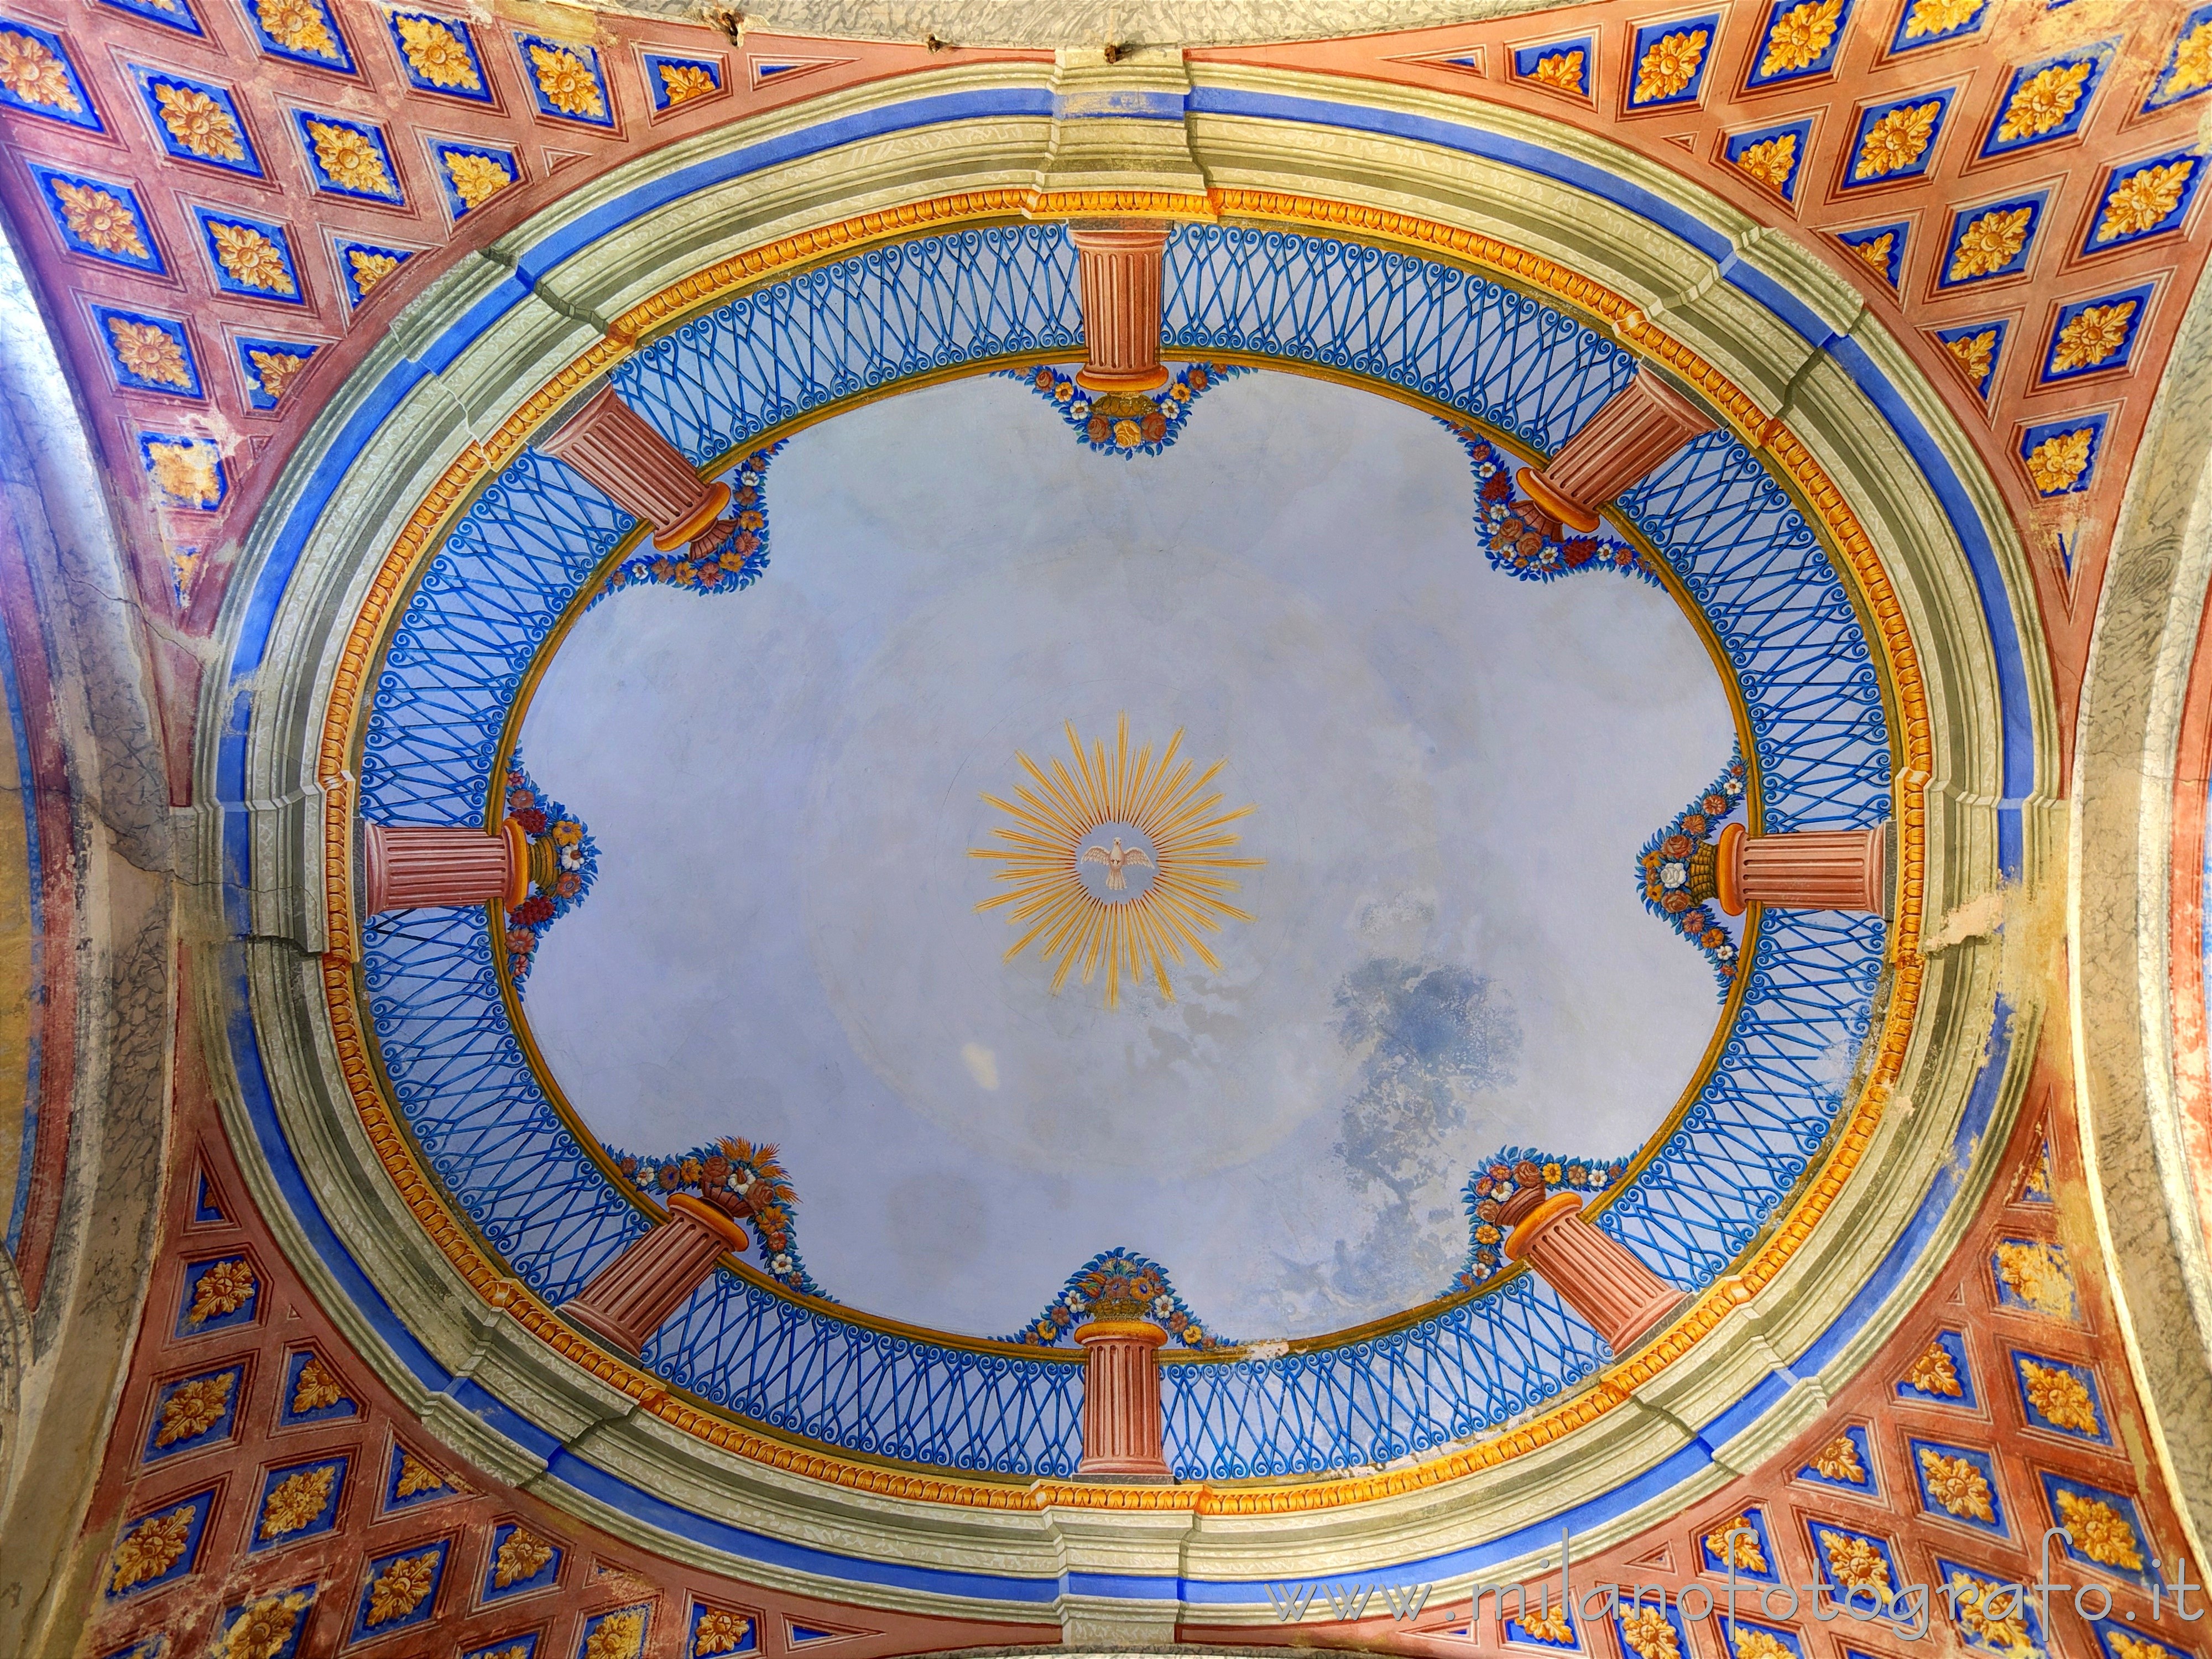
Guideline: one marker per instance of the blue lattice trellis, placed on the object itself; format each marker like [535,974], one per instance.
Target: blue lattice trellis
[714,385]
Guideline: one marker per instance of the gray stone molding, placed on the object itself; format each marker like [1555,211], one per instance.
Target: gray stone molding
[2149,1216]
[1673,283]
[66,1360]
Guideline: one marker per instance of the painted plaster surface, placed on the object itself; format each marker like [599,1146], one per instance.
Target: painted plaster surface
[1451,774]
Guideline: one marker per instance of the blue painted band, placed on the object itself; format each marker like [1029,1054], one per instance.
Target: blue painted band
[276,571]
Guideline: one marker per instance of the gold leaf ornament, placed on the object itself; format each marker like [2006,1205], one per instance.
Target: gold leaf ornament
[2056,466]
[200,125]
[2059,1396]
[399,1588]
[523,1555]
[568,81]
[1839,1461]
[477,179]
[1934,1373]
[2101,1532]
[2144,200]
[1992,1613]
[101,220]
[154,354]
[1649,1634]
[30,70]
[682,82]
[1929,17]
[369,269]
[1897,139]
[1670,65]
[251,258]
[1563,69]
[1875,252]
[315,1388]
[2036,1272]
[1770,160]
[1734,1544]
[2044,101]
[618,1636]
[298,25]
[261,1628]
[720,1632]
[1757,1645]
[229,1285]
[296,1500]
[186,471]
[1975,353]
[416,1476]
[150,1549]
[1957,1485]
[438,54]
[194,1408]
[2192,63]
[349,160]
[1801,35]
[1991,243]
[1855,1563]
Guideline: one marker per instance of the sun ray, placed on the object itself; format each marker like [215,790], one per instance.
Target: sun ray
[1154,824]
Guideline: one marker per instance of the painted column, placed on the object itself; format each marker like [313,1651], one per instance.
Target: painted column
[1646,422]
[618,450]
[629,1298]
[1806,870]
[408,866]
[1120,272]
[1122,1398]
[1597,1276]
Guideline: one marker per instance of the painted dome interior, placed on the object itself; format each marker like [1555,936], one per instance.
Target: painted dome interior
[1450,772]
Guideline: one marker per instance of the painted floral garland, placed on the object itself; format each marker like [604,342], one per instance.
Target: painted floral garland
[1495,1182]
[564,860]
[1120,1284]
[1670,880]
[729,556]
[1125,423]
[748,1181]
[1523,540]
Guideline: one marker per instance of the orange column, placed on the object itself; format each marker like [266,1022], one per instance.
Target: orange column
[411,866]
[618,450]
[1646,422]
[1122,1398]
[1119,268]
[627,1299]
[1806,870]
[1597,1276]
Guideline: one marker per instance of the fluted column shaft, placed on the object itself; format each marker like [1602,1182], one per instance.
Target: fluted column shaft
[1645,421]
[1122,1398]
[408,866]
[1119,272]
[627,1299]
[619,450]
[1806,870]
[1597,1276]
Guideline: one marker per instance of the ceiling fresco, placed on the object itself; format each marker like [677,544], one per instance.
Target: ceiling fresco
[880,843]
[1450,774]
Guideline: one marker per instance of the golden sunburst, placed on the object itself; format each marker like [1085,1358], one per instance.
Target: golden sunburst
[1119,862]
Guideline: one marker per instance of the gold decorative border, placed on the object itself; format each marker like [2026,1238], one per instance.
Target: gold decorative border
[477,463]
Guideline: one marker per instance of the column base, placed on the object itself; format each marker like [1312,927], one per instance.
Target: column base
[708,510]
[1568,510]
[1142,379]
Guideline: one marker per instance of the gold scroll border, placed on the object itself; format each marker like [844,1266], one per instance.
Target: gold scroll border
[478,462]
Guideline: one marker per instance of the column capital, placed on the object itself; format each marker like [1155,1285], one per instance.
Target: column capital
[1643,423]
[624,454]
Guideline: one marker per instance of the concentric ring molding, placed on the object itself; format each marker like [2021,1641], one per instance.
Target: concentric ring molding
[359,1249]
